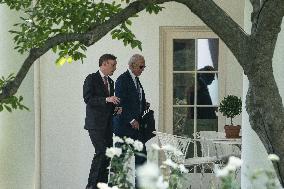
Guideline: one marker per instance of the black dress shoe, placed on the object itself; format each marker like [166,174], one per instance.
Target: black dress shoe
[91,187]
[88,187]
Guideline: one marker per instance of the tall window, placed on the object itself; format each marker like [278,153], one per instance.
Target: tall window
[191,80]
[195,85]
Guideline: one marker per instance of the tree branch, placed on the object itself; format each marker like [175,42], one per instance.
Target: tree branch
[254,15]
[94,34]
[215,18]
[207,10]
[269,24]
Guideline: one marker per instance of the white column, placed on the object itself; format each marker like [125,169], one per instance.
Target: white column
[17,128]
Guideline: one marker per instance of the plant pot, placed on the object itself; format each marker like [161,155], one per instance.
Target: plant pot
[232,131]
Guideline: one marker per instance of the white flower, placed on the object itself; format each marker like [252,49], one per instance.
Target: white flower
[117,139]
[170,163]
[138,145]
[235,162]
[101,185]
[148,174]
[273,157]
[230,167]
[29,20]
[161,184]
[163,166]
[113,151]
[182,168]
[155,146]
[221,172]
[129,141]
[148,169]
[171,148]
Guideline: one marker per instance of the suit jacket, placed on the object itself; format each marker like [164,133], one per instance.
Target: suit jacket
[98,112]
[126,90]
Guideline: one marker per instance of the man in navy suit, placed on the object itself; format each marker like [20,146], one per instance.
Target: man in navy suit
[98,93]
[132,100]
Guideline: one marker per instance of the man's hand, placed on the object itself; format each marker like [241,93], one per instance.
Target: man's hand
[135,124]
[117,110]
[113,99]
[147,105]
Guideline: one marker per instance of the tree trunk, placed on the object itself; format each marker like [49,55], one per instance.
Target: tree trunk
[266,112]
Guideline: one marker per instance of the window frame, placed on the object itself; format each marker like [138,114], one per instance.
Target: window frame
[167,34]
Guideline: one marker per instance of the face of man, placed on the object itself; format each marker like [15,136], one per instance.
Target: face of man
[138,67]
[108,67]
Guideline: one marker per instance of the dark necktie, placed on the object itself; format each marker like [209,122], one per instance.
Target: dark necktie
[106,83]
[137,86]
[138,91]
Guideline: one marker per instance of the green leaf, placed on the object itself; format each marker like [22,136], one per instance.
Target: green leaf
[128,22]
[54,49]
[8,108]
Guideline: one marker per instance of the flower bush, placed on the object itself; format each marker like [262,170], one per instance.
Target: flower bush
[151,176]
[227,174]
[120,155]
[269,176]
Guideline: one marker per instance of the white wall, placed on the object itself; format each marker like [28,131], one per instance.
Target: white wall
[254,154]
[17,128]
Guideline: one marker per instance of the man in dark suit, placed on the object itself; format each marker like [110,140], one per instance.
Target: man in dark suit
[132,100]
[203,95]
[98,93]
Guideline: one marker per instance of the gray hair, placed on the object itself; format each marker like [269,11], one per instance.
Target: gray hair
[135,58]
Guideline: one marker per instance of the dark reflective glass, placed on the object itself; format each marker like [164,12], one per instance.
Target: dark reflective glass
[182,85]
[184,54]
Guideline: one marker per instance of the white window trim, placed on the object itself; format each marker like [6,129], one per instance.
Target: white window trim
[167,34]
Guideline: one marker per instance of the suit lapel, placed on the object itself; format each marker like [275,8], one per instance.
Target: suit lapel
[133,86]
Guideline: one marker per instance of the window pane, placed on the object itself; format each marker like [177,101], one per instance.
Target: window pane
[207,124]
[207,89]
[207,53]
[204,112]
[183,84]
[184,55]
[182,123]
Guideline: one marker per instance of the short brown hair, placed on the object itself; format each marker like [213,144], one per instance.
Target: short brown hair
[106,57]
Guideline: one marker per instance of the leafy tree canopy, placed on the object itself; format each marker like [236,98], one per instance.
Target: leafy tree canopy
[46,20]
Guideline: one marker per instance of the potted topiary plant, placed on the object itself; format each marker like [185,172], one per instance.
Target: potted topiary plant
[230,107]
